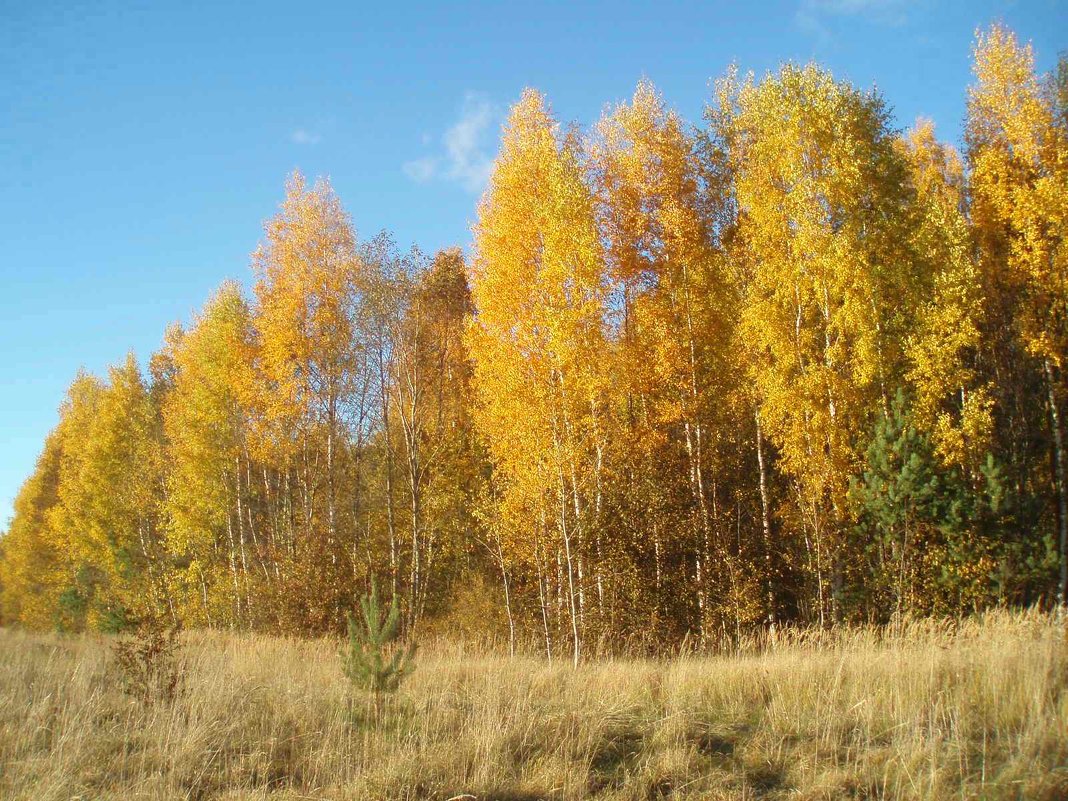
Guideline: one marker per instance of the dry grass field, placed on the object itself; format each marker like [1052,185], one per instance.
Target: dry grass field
[977,709]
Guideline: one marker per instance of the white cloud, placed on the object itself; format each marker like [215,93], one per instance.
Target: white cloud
[813,15]
[302,136]
[421,170]
[468,162]
[465,156]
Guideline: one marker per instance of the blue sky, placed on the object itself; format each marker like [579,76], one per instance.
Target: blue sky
[142,145]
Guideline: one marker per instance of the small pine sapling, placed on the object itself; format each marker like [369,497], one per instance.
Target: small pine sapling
[373,659]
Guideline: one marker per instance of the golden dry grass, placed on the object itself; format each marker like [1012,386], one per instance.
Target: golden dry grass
[934,711]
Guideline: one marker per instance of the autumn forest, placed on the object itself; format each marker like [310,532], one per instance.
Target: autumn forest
[787,365]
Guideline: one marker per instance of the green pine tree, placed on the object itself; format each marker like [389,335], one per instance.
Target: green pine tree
[373,659]
[929,535]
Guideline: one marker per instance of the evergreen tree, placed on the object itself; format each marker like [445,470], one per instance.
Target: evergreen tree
[372,659]
[930,538]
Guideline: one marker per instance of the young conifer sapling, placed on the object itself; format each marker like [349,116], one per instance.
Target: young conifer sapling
[373,660]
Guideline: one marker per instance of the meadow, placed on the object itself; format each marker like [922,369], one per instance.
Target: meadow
[976,708]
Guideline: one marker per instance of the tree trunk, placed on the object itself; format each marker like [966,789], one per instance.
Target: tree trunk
[507,598]
[383,385]
[233,569]
[570,559]
[240,512]
[765,519]
[1062,500]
